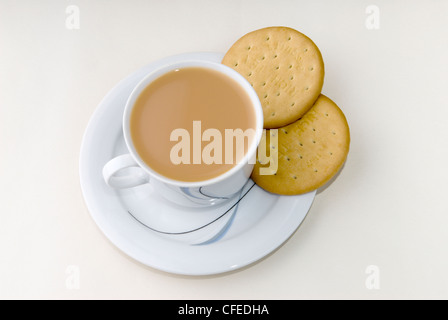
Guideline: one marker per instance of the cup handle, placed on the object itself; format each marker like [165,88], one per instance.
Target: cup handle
[131,174]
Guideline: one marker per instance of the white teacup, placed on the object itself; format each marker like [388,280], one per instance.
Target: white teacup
[129,170]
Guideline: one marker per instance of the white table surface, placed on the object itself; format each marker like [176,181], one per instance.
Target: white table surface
[385,216]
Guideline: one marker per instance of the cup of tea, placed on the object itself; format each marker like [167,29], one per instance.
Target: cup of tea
[192,129]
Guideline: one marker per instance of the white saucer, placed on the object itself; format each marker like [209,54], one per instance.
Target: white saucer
[153,231]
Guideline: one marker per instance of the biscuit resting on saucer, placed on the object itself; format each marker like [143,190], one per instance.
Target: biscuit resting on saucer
[309,152]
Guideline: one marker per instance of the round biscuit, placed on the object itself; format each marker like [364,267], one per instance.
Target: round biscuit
[310,151]
[286,69]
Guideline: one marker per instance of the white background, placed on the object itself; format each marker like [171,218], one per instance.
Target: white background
[388,207]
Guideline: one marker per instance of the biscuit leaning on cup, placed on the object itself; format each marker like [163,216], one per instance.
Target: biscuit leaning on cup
[285,68]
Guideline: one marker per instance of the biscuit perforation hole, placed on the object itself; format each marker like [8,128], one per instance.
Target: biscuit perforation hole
[294,177]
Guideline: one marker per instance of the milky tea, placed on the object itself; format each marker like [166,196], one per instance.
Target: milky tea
[192,124]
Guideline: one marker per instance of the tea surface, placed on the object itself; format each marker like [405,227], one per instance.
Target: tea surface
[193,100]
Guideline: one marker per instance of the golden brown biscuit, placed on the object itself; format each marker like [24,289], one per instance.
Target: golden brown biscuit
[285,68]
[310,151]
